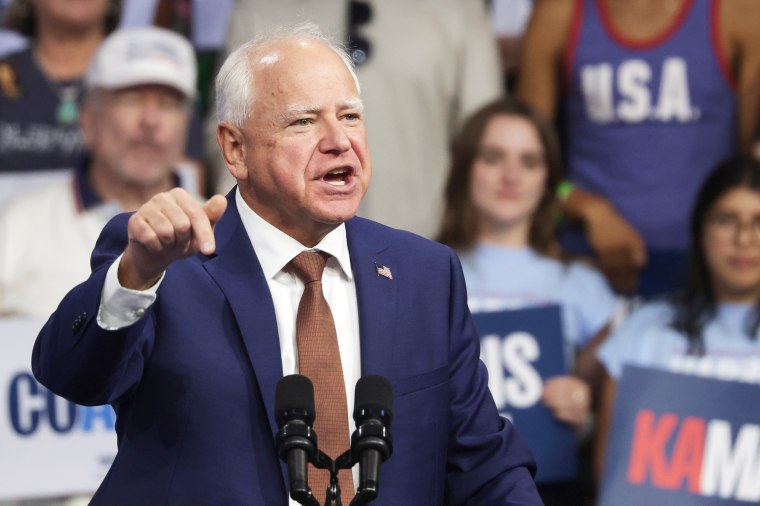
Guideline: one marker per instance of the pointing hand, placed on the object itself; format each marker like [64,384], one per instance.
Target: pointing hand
[170,226]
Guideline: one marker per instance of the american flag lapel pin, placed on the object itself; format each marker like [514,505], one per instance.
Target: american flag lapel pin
[383,271]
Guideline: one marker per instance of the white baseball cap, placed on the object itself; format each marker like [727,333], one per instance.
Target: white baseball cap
[146,55]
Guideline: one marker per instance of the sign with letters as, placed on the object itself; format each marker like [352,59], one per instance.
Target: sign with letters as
[682,440]
[48,445]
[521,348]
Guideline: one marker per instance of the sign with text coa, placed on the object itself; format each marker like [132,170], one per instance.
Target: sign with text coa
[521,348]
[48,445]
[682,440]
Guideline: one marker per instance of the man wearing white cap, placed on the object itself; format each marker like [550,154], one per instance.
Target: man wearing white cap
[140,87]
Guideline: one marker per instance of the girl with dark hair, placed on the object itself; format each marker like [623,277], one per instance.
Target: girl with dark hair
[711,327]
[717,270]
[501,211]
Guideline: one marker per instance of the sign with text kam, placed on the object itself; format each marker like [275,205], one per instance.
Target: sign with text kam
[682,440]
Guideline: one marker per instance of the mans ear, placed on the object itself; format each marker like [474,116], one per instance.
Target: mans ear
[232,146]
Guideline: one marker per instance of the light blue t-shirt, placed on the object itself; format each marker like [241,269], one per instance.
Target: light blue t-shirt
[647,339]
[500,278]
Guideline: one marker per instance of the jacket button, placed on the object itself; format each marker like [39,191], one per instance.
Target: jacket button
[78,322]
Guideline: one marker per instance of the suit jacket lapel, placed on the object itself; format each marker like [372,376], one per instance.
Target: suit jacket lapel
[238,272]
[376,298]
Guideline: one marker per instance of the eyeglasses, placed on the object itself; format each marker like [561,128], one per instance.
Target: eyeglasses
[359,48]
[726,226]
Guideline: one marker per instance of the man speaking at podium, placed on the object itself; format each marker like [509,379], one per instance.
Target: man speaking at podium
[194,312]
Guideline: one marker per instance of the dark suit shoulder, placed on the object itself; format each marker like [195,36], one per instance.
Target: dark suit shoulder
[372,231]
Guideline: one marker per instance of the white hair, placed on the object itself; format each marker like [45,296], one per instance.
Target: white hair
[234,83]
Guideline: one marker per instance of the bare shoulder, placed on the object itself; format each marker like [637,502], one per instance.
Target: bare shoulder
[738,20]
[542,50]
[552,19]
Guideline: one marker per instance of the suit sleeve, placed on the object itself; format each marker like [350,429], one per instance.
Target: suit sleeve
[77,359]
[488,462]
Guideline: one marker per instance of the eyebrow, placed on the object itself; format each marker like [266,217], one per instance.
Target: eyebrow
[295,110]
[299,109]
[353,103]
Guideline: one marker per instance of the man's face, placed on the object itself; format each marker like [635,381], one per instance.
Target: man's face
[307,164]
[136,134]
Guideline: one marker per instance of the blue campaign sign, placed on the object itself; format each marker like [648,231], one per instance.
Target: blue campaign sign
[682,440]
[521,348]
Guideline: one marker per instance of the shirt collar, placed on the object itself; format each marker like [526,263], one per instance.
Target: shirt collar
[86,196]
[275,249]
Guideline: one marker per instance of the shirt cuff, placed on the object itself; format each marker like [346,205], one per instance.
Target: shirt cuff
[121,307]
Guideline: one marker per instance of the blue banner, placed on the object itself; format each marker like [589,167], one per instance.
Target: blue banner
[521,348]
[682,440]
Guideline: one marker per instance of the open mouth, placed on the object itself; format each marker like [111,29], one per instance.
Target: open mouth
[338,177]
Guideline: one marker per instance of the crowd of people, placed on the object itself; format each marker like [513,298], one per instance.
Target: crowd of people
[597,185]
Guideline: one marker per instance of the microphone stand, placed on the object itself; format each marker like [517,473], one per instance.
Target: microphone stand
[347,460]
[363,496]
[321,460]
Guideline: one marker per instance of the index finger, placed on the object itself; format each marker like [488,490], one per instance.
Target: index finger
[214,208]
[202,227]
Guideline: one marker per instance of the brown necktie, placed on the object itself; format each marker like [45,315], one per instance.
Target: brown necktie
[319,360]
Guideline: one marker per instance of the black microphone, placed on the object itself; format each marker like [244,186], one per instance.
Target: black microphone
[371,442]
[296,443]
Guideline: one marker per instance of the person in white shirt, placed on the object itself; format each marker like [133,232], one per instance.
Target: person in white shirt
[140,87]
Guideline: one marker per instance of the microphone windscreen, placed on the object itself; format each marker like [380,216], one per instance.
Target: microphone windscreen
[373,392]
[294,392]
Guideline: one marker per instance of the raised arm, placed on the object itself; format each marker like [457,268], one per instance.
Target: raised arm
[87,360]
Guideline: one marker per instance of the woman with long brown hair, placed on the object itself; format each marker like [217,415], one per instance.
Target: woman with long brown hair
[501,211]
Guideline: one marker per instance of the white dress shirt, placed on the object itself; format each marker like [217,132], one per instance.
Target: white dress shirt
[275,249]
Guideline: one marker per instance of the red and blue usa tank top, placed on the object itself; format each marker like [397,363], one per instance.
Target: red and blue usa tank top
[645,122]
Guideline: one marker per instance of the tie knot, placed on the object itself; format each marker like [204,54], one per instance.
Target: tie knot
[308,265]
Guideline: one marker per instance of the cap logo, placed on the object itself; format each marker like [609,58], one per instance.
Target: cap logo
[140,50]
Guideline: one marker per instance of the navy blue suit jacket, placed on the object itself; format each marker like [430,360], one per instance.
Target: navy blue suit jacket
[193,380]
